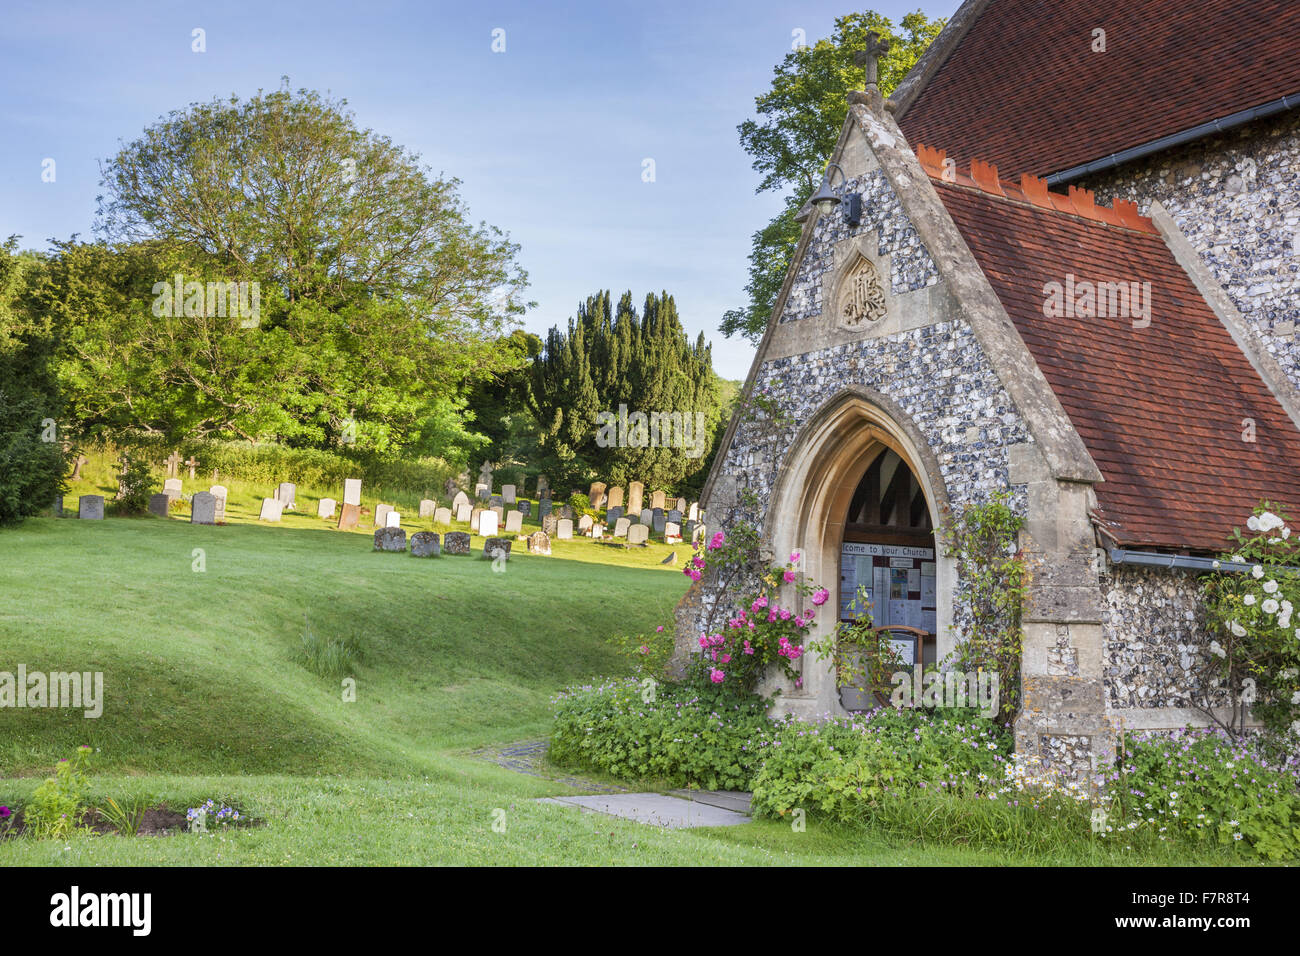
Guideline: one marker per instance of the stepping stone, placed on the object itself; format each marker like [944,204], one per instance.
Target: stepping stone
[655,809]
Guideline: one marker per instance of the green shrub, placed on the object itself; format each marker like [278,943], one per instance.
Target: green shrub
[844,768]
[705,738]
[58,805]
[137,485]
[1202,786]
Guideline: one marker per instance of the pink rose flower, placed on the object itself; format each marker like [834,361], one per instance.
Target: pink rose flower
[819,596]
[717,676]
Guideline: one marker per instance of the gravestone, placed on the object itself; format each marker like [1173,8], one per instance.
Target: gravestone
[658,519]
[325,508]
[647,516]
[489,523]
[584,523]
[442,516]
[620,527]
[597,495]
[613,514]
[424,544]
[455,542]
[427,507]
[550,524]
[482,492]
[158,505]
[680,505]
[272,509]
[496,501]
[543,507]
[543,487]
[566,513]
[688,530]
[675,516]
[392,520]
[349,517]
[381,515]
[463,513]
[57,508]
[539,542]
[672,531]
[657,499]
[496,548]
[172,488]
[637,534]
[460,499]
[475,518]
[76,467]
[220,493]
[173,464]
[615,499]
[508,494]
[450,487]
[514,522]
[635,496]
[352,491]
[500,512]
[203,508]
[525,508]
[693,512]
[390,539]
[287,491]
[564,529]
[193,463]
[699,533]
[91,507]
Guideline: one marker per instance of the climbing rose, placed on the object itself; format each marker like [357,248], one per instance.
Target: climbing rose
[789,577]
[819,596]
[717,541]
[717,676]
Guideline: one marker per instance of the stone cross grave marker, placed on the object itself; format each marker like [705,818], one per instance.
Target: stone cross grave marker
[77,465]
[203,508]
[173,464]
[193,463]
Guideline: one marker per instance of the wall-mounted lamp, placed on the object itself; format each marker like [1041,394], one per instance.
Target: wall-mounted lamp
[825,199]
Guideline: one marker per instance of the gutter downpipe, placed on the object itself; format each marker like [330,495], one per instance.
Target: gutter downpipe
[1155,559]
[1221,125]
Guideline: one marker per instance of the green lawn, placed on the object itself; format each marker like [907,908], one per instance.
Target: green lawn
[204,697]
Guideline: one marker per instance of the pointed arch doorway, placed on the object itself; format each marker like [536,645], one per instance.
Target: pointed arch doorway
[859,496]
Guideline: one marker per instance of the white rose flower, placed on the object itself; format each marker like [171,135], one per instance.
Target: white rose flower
[1237,629]
[1289,674]
[1270,586]
[1295,698]
[1269,606]
[1238,559]
[1252,523]
[1284,619]
[1268,521]
[1286,533]
[1217,649]
[1248,600]
[1257,572]
[1287,606]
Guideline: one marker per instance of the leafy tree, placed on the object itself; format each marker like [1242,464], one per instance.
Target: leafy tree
[32,459]
[611,365]
[799,122]
[499,407]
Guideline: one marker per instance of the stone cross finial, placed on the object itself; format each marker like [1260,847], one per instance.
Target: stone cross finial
[870,57]
[193,463]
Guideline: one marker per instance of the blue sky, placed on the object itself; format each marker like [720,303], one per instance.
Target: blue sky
[547,137]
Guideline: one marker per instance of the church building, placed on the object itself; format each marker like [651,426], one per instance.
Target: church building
[1061,262]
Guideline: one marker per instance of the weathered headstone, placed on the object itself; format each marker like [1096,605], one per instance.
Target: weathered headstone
[193,463]
[680,505]
[615,499]
[584,523]
[525,508]
[688,530]
[675,516]
[158,505]
[450,487]
[482,492]
[620,527]
[508,494]
[613,514]
[637,534]
[514,522]
[381,515]
[460,499]
[220,492]
[698,533]
[550,524]
[657,499]
[173,464]
[77,465]
[658,519]
[672,531]
[203,508]
[647,516]
[442,516]
[427,507]
[352,491]
[496,548]
[390,539]
[539,542]
[475,519]
[456,542]
[635,496]
[287,492]
[488,523]
[543,487]
[58,506]
[564,529]
[464,513]
[349,517]
[91,507]
[424,544]
[496,501]
[325,508]
[499,511]
[597,494]
[543,507]
[392,520]
[172,488]
[693,512]
[272,509]
[567,512]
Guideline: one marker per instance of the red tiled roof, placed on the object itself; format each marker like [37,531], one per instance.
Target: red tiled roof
[1160,408]
[1024,90]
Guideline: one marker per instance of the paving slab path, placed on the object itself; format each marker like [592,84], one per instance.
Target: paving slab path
[656,809]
